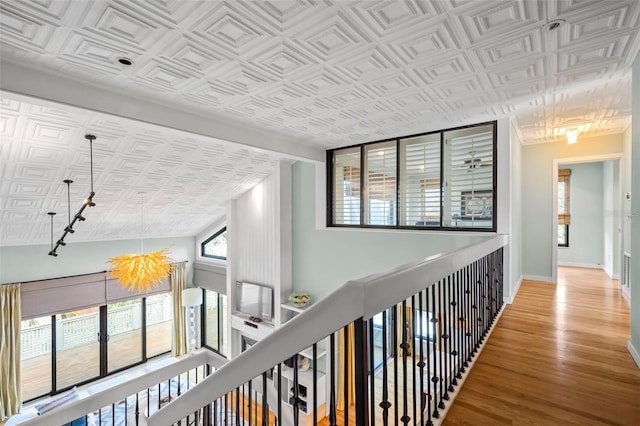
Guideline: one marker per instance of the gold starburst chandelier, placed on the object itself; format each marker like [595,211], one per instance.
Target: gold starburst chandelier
[141,271]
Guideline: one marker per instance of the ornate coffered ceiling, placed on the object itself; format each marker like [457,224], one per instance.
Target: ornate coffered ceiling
[328,73]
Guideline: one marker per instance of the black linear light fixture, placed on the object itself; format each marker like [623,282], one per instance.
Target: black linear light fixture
[78,216]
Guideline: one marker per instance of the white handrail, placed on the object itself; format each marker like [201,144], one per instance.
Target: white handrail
[355,299]
[80,407]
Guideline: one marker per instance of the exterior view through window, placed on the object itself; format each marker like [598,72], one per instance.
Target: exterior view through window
[215,246]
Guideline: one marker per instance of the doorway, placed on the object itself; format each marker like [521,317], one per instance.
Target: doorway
[588,223]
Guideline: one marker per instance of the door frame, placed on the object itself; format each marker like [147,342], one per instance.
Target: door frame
[554,211]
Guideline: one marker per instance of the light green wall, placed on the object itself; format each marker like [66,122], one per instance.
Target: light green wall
[635,209]
[586,231]
[515,238]
[28,263]
[626,188]
[537,195]
[324,259]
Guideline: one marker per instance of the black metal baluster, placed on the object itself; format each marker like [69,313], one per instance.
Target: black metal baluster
[360,373]
[265,402]
[296,400]
[394,336]
[113,413]
[244,398]
[441,353]
[430,395]
[238,407]
[345,382]
[384,404]
[405,355]
[226,409]
[460,324]
[434,379]
[279,419]
[215,414]
[420,364]
[467,315]
[137,408]
[314,354]
[450,330]
[332,388]
[372,367]
[444,328]
[412,339]
[159,395]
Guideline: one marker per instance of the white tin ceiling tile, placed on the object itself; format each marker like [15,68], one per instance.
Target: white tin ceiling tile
[23,30]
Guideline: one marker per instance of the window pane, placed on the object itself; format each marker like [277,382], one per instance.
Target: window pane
[346,186]
[124,325]
[561,198]
[216,246]
[35,353]
[159,324]
[469,177]
[380,183]
[77,347]
[563,235]
[420,185]
[215,317]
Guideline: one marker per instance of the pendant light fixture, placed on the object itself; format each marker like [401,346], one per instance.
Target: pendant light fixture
[51,252]
[141,271]
[78,216]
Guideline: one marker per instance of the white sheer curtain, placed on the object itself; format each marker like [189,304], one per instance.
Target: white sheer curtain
[10,321]
[178,281]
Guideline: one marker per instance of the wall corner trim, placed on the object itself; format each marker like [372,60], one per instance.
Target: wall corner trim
[634,353]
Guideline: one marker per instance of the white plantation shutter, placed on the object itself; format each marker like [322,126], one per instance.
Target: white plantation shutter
[380,183]
[346,186]
[420,189]
[469,177]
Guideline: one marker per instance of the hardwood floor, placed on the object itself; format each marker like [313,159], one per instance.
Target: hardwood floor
[558,355]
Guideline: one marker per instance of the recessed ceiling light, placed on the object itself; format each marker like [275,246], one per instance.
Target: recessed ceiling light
[125,61]
[554,25]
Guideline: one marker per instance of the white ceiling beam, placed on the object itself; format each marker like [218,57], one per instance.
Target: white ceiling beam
[18,79]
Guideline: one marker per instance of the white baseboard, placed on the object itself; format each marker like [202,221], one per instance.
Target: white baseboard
[539,278]
[615,277]
[634,353]
[509,300]
[581,265]
[626,293]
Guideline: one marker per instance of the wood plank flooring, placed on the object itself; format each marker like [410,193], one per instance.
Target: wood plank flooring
[558,356]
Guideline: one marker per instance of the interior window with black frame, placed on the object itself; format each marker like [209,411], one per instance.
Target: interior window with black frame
[564,206]
[444,180]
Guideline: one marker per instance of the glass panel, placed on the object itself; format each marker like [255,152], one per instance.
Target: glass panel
[77,347]
[35,353]
[124,325]
[346,186]
[377,339]
[215,317]
[380,183]
[563,235]
[159,324]
[469,177]
[420,181]
[216,246]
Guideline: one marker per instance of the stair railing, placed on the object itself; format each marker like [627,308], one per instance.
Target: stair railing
[445,304]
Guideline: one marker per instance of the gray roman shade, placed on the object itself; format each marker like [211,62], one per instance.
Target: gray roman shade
[58,295]
[48,297]
[116,293]
[211,277]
